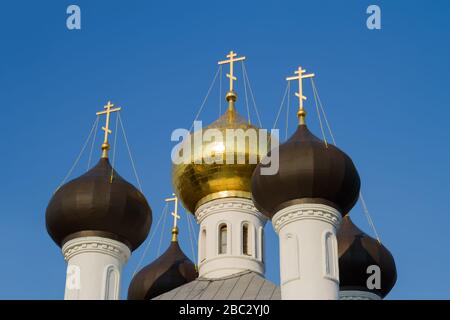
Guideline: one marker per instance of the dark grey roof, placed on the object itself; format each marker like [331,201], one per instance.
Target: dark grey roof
[246,285]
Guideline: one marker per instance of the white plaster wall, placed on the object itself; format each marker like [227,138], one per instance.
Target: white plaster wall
[94,267]
[302,230]
[234,212]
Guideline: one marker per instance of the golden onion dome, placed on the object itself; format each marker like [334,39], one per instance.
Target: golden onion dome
[203,176]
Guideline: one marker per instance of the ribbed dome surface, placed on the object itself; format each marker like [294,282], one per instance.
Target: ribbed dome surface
[309,172]
[171,270]
[357,251]
[92,205]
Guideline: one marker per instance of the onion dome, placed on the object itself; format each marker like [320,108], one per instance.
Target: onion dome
[171,270]
[203,178]
[99,203]
[358,251]
[309,172]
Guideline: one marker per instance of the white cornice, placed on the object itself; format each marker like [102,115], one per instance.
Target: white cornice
[306,211]
[242,205]
[96,244]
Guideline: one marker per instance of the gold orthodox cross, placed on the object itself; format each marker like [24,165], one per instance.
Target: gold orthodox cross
[231,61]
[108,110]
[300,76]
[176,217]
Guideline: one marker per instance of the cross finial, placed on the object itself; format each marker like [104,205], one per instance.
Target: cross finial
[231,61]
[300,76]
[108,110]
[176,217]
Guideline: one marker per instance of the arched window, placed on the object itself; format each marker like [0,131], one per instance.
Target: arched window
[203,246]
[330,253]
[223,237]
[111,283]
[289,252]
[246,240]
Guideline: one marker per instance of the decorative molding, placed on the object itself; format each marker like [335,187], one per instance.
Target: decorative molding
[260,245]
[330,257]
[306,211]
[242,205]
[96,244]
[111,284]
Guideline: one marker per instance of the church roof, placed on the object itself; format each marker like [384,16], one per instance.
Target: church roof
[310,171]
[99,203]
[245,285]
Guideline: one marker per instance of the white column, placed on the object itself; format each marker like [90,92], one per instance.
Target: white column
[234,213]
[94,268]
[309,267]
[358,295]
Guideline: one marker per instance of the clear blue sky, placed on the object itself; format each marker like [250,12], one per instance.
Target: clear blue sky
[386,94]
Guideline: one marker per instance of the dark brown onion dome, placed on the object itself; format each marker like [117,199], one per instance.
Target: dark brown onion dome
[92,205]
[171,270]
[357,251]
[309,172]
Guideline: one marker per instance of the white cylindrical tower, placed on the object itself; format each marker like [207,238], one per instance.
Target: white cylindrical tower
[94,268]
[230,238]
[308,251]
[316,184]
